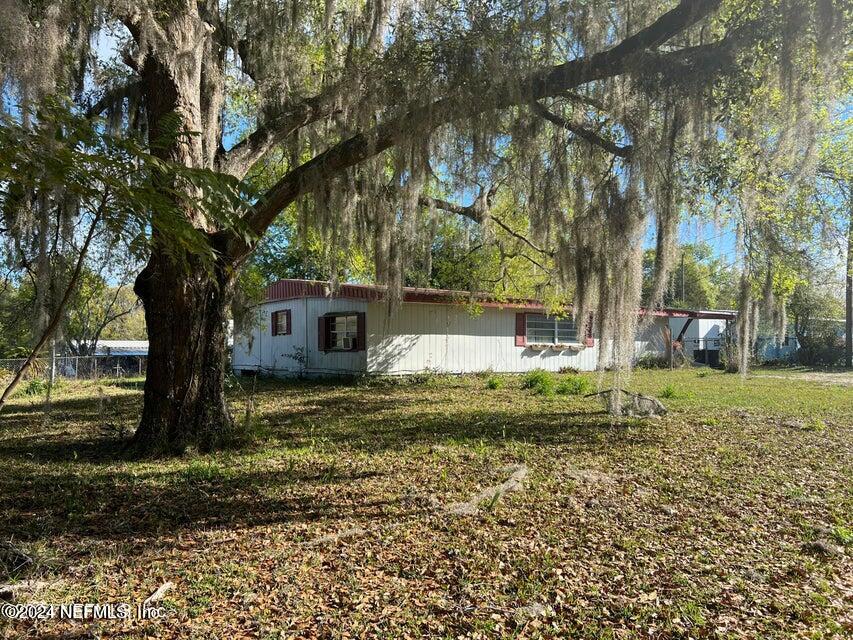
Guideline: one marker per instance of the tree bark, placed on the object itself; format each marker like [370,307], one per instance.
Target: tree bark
[185,300]
[186,315]
[848,306]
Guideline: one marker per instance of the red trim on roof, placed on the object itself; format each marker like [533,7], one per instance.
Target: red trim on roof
[292,289]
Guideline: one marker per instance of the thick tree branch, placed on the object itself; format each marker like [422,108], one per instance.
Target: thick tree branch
[547,82]
[239,159]
[585,134]
[473,211]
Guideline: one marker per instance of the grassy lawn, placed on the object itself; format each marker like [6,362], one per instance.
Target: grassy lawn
[732,517]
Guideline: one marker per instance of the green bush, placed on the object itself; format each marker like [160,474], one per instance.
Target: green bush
[669,391]
[574,386]
[843,534]
[815,424]
[35,387]
[652,361]
[541,382]
[494,382]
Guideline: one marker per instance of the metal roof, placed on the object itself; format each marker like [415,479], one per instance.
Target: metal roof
[293,289]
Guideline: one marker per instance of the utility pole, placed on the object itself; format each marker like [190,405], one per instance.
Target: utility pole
[683,303]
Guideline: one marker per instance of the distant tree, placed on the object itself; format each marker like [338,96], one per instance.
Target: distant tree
[708,282]
[816,314]
[96,308]
[16,325]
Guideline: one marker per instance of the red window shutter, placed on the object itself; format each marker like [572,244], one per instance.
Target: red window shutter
[322,333]
[361,332]
[286,313]
[273,319]
[590,340]
[520,329]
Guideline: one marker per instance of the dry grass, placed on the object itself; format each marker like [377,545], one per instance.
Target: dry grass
[698,525]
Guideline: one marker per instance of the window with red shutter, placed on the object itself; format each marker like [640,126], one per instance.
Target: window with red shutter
[323,333]
[361,332]
[520,330]
[280,322]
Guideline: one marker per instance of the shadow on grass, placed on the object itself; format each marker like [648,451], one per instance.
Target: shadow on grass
[122,505]
[73,481]
[374,425]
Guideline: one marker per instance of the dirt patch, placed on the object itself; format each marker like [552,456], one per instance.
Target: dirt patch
[842,378]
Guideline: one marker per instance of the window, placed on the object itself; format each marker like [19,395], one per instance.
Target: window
[343,332]
[546,330]
[281,322]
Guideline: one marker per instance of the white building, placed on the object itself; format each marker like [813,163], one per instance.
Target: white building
[122,348]
[304,329]
[702,335]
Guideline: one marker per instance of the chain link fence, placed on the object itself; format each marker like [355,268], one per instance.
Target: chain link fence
[78,367]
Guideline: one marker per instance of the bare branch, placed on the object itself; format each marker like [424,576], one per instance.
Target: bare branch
[518,236]
[479,211]
[585,134]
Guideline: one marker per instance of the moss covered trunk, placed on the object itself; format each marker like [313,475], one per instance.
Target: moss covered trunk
[185,300]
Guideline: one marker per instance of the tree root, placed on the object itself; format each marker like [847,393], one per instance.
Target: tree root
[492,494]
[487,496]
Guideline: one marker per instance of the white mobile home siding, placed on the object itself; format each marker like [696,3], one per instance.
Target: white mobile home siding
[297,353]
[702,333]
[417,337]
[447,338]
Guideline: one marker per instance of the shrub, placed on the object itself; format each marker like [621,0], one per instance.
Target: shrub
[574,386]
[669,391]
[35,387]
[494,382]
[541,382]
[652,361]
[815,424]
[843,535]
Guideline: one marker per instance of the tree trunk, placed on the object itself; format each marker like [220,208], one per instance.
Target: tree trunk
[848,302]
[185,301]
[185,311]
